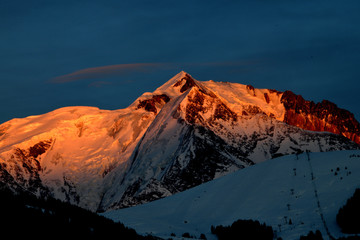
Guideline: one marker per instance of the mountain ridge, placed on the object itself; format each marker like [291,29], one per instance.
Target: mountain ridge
[101,159]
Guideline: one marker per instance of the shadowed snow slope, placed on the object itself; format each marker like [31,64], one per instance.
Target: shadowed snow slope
[301,188]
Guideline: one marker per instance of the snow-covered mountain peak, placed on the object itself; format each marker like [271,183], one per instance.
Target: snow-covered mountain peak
[173,81]
[173,88]
[184,133]
[241,100]
[177,85]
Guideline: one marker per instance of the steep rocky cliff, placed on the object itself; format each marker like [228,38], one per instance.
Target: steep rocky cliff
[323,116]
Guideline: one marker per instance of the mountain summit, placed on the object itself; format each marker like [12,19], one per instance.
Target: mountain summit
[183,134]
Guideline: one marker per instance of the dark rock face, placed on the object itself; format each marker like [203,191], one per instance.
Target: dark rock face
[150,104]
[206,160]
[275,91]
[21,173]
[251,90]
[195,107]
[202,101]
[39,149]
[252,110]
[267,98]
[323,116]
[224,112]
[189,83]
[22,169]
[203,162]
[7,180]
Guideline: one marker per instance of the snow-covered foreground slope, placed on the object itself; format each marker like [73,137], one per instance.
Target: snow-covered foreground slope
[302,188]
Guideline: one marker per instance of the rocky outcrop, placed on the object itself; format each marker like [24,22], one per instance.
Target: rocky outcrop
[267,98]
[22,171]
[323,117]
[202,101]
[251,90]
[151,104]
[189,83]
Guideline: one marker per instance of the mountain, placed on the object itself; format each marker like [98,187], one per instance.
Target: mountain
[293,194]
[183,134]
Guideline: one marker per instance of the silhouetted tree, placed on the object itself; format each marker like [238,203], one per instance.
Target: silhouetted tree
[25,216]
[243,229]
[187,235]
[202,236]
[312,236]
[348,217]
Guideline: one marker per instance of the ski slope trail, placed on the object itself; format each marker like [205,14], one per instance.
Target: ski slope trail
[317,197]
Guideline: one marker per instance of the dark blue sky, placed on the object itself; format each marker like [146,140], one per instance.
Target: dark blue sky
[107,53]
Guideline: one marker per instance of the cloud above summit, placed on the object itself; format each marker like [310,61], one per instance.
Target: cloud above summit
[106,71]
[120,70]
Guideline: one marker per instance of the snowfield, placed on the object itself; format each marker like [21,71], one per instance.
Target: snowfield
[294,194]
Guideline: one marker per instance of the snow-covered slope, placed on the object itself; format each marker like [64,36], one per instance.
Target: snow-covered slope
[73,148]
[302,188]
[185,133]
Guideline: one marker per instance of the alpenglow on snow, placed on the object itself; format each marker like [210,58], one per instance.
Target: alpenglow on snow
[183,134]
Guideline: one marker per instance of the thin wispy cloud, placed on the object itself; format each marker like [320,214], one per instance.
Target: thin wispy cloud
[106,71]
[120,70]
